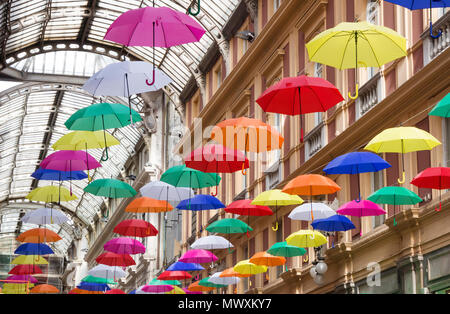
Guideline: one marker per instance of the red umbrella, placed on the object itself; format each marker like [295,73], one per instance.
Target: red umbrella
[113,259]
[300,95]
[174,275]
[216,158]
[115,291]
[136,228]
[25,269]
[244,207]
[433,178]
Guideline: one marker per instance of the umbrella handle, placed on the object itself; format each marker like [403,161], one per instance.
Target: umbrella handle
[358,199]
[306,259]
[440,207]
[356,93]
[153,81]
[313,236]
[198,10]
[403,178]
[431,32]
[107,157]
[276,226]
[244,171]
[395,222]
[214,193]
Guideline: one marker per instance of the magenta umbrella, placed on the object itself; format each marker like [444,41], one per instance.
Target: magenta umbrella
[124,245]
[198,256]
[191,292]
[361,209]
[21,279]
[157,288]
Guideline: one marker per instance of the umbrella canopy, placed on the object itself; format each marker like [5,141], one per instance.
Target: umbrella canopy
[82,140]
[44,288]
[15,288]
[82,291]
[286,250]
[394,195]
[135,228]
[195,287]
[111,188]
[176,290]
[29,259]
[69,160]
[182,176]
[211,242]
[114,259]
[123,245]
[248,268]
[108,272]
[25,269]
[201,202]
[229,272]
[245,207]
[333,223]
[433,178]
[164,191]
[311,184]
[56,175]
[115,291]
[44,215]
[38,235]
[33,249]
[50,194]
[21,278]
[267,259]
[319,211]
[198,256]
[306,238]
[185,267]
[300,95]
[174,275]
[228,225]
[148,205]
[93,279]
[157,288]
[92,286]
[356,162]
[192,292]
[442,109]
[361,209]
[216,279]
[206,283]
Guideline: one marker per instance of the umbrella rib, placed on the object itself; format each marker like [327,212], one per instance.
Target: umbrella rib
[377,31]
[345,49]
[371,48]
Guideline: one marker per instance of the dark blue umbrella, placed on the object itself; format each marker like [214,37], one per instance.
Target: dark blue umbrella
[333,223]
[33,249]
[201,202]
[49,174]
[132,292]
[92,286]
[423,4]
[185,266]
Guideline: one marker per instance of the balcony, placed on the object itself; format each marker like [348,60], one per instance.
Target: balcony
[370,94]
[432,47]
[314,141]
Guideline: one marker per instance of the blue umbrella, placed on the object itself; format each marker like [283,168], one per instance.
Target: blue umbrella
[132,292]
[185,266]
[201,202]
[333,223]
[423,4]
[49,174]
[92,286]
[33,249]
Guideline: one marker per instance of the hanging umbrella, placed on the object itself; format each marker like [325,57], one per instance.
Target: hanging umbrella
[101,116]
[306,238]
[216,158]
[174,275]
[44,289]
[115,291]
[148,205]
[319,211]
[21,278]
[114,259]
[433,178]
[163,191]
[211,242]
[350,45]
[93,279]
[200,202]
[33,249]
[38,235]
[248,268]
[152,288]
[44,216]
[361,209]
[276,198]
[300,95]
[266,259]
[333,223]
[442,109]
[29,260]
[176,290]
[123,245]
[424,4]
[228,225]
[92,286]
[182,176]
[195,287]
[56,175]
[402,140]
[206,283]
[198,256]
[135,227]
[25,269]
[246,208]
[180,266]
[51,194]
[229,272]
[356,163]
[192,292]
[216,279]
[286,250]
[106,271]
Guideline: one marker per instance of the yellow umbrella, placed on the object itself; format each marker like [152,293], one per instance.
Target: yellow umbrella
[402,140]
[246,268]
[276,198]
[16,288]
[176,290]
[29,260]
[306,238]
[50,193]
[349,45]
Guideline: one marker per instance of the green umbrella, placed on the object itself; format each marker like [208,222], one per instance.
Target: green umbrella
[228,225]
[93,279]
[442,109]
[156,282]
[182,176]
[285,250]
[101,116]
[204,282]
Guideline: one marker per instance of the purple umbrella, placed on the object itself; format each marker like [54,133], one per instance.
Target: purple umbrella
[124,245]
[361,209]
[23,278]
[198,256]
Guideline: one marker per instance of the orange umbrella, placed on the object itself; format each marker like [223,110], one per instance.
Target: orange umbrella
[148,205]
[229,272]
[266,259]
[81,291]
[38,235]
[45,288]
[196,287]
[249,135]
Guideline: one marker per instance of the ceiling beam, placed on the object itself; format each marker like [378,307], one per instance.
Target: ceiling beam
[87,21]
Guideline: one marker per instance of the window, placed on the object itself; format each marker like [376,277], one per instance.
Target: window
[194,222]
[377,183]
[372,16]
[276,5]
[218,77]
[318,70]
[317,118]
[273,156]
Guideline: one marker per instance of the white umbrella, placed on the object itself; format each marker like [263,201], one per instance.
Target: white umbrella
[107,272]
[319,210]
[223,280]
[44,215]
[166,192]
[211,243]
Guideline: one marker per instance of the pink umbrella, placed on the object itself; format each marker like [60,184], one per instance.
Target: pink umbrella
[124,245]
[157,288]
[191,292]
[361,209]
[70,160]
[21,279]
[198,256]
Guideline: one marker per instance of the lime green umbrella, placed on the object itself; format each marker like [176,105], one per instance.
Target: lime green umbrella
[442,109]
[205,283]
[101,116]
[93,279]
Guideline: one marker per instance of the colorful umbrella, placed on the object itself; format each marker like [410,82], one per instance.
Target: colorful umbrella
[198,256]
[350,45]
[200,202]
[69,160]
[182,176]
[192,292]
[228,225]
[29,260]
[115,291]
[33,249]
[174,275]
[246,208]
[247,268]
[361,209]
[56,175]
[206,283]
[21,278]
[114,259]
[124,245]
[216,279]
[442,109]
[306,238]
[402,140]
[211,242]
[300,95]
[333,223]
[319,211]
[135,227]
[44,289]
[176,290]
[267,259]
[229,272]
[286,250]
[148,205]
[163,191]
[93,279]
[16,288]
[44,215]
[157,288]
[51,194]
[185,267]
[433,178]
[108,272]
[82,291]
[25,269]
[216,158]
[38,235]
[92,286]
[195,287]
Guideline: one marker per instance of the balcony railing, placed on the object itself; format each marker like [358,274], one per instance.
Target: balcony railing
[370,94]
[314,141]
[432,47]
